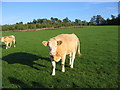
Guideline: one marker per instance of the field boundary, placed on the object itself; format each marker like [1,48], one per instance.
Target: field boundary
[51,28]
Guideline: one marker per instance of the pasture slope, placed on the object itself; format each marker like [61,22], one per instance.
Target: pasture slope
[28,65]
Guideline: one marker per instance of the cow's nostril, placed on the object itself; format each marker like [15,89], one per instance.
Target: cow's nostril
[50,54]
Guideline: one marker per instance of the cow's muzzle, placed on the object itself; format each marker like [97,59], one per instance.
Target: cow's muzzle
[52,53]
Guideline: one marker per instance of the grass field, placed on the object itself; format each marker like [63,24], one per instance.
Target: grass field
[28,65]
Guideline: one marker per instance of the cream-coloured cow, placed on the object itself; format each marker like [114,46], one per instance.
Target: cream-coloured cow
[7,40]
[60,46]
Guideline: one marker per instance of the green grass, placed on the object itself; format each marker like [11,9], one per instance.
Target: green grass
[28,65]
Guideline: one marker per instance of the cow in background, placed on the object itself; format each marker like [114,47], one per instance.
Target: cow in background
[8,40]
[60,46]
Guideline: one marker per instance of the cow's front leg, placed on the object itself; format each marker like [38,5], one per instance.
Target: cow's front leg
[63,63]
[54,66]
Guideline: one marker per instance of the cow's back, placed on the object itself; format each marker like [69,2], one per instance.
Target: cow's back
[9,38]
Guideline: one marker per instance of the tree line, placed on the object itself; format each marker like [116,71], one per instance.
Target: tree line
[56,23]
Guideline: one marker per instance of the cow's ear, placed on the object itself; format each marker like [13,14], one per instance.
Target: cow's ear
[59,42]
[45,43]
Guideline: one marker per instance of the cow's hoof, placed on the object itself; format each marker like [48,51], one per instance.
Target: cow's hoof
[53,74]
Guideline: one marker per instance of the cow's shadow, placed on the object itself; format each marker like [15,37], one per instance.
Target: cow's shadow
[24,58]
[21,84]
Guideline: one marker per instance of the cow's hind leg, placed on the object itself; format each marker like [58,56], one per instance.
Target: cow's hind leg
[14,43]
[73,57]
[10,44]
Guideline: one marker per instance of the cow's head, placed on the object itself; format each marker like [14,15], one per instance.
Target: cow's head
[52,44]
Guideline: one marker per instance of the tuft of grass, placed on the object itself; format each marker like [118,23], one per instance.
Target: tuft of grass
[28,65]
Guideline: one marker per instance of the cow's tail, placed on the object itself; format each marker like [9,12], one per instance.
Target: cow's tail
[79,53]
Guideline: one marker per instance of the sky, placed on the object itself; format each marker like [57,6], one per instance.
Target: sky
[13,12]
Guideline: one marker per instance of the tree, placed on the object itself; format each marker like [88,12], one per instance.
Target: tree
[99,20]
[118,19]
[40,21]
[78,21]
[93,21]
[44,20]
[55,20]
[48,21]
[108,21]
[84,22]
[113,17]
[29,22]
[52,20]
[66,20]
[19,23]
[59,21]
[34,21]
